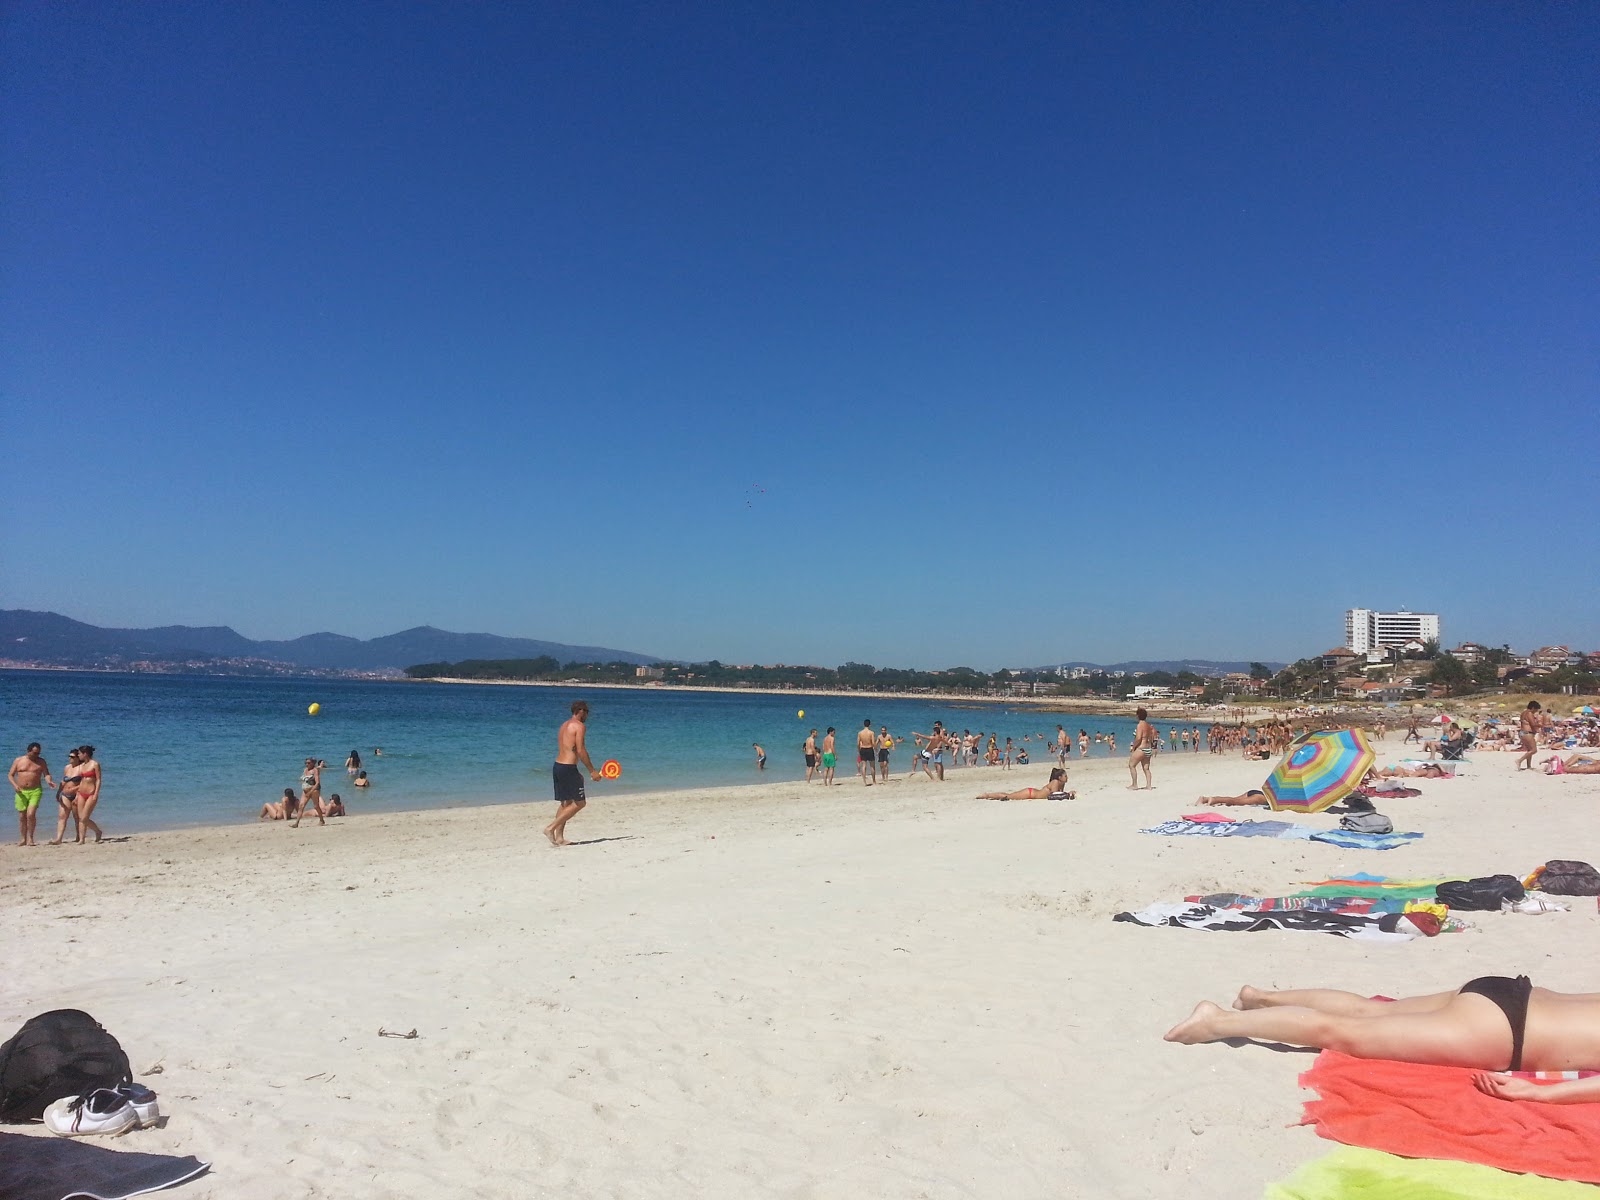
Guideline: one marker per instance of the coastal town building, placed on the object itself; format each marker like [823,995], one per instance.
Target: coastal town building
[1553,657]
[1367,628]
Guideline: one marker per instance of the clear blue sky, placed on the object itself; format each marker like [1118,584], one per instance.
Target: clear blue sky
[1050,331]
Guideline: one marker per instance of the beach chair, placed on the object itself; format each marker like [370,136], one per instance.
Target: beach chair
[1451,749]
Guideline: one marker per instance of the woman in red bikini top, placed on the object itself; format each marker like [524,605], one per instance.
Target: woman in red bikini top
[89,780]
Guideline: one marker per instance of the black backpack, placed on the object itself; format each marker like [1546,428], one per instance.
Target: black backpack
[1480,895]
[1568,877]
[56,1054]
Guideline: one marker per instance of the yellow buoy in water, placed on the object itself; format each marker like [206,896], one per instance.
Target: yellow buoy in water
[314,709]
[802,714]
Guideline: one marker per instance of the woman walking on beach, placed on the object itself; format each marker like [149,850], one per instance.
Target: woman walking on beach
[1532,722]
[310,792]
[89,779]
[67,800]
[1146,741]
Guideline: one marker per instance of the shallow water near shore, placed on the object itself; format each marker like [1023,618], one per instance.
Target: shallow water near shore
[182,750]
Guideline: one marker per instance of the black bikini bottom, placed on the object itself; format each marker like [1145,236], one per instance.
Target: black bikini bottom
[1511,995]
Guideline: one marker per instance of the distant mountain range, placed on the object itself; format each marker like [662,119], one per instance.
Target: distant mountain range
[49,639]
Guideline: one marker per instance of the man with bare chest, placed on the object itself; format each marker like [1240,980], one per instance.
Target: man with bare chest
[571,749]
[29,774]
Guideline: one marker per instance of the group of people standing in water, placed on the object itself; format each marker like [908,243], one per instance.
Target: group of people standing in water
[77,793]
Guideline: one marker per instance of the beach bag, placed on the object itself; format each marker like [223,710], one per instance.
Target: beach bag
[1366,822]
[1485,894]
[1566,877]
[57,1054]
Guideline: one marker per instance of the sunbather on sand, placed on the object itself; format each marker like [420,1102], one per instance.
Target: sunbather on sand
[1056,789]
[278,810]
[1488,1023]
[1421,771]
[1577,764]
[1253,796]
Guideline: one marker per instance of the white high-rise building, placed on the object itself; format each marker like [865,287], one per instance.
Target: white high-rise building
[1366,629]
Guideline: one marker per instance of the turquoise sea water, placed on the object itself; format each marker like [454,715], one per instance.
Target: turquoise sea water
[204,750]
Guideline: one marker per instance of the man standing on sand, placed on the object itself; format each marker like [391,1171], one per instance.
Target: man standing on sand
[811,755]
[29,776]
[866,753]
[829,758]
[932,745]
[570,751]
[885,744]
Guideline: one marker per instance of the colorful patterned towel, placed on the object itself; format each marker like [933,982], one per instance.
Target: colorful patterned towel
[1183,827]
[1350,1173]
[1435,1112]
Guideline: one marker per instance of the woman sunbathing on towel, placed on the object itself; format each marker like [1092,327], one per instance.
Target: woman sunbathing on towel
[1576,764]
[1253,796]
[1492,1023]
[1056,789]
[1420,771]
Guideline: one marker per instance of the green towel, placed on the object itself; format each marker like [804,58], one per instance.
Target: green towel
[1374,893]
[1351,1173]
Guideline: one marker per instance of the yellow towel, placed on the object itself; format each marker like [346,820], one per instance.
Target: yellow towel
[1352,1173]
[1428,906]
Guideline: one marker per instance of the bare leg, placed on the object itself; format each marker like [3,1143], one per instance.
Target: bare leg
[85,809]
[1337,1003]
[556,830]
[63,811]
[1469,1031]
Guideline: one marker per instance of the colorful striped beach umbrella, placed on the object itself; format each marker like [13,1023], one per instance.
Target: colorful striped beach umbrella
[1322,770]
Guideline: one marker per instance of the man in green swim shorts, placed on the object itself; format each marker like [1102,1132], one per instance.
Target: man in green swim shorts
[29,772]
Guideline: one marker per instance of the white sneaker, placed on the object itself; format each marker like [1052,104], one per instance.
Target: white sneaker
[143,1101]
[102,1111]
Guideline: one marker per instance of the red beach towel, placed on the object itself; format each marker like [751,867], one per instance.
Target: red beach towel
[1435,1112]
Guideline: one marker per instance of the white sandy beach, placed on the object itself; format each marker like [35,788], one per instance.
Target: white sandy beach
[782,991]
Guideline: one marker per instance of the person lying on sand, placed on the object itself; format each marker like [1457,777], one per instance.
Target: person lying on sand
[1420,771]
[1253,796]
[1055,789]
[1575,764]
[1487,1023]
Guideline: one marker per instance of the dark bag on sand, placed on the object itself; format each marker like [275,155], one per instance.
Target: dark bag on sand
[56,1054]
[1567,877]
[1366,822]
[1480,895]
